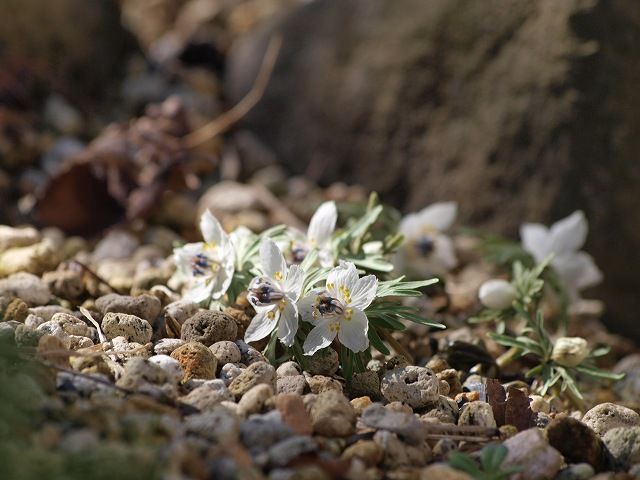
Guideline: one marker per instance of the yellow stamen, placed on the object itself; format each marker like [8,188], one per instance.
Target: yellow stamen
[271,315]
[278,276]
[348,314]
[334,326]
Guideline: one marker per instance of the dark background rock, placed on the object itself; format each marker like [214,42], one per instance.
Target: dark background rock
[519,110]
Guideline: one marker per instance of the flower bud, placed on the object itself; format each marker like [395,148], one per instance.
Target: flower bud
[569,351]
[497,294]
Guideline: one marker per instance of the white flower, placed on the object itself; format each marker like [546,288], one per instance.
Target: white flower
[338,309]
[321,228]
[569,351]
[427,250]
[497,294]
[209,265]
[274,296]
[564,239]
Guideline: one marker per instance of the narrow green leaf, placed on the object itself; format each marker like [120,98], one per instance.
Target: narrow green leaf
[376,341]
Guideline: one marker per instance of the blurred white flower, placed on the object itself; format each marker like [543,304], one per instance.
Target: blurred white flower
[318,236]
[208,266]
[497,294]
[564,239]
[569,351]
[274,296]
[338,310]
[427,250]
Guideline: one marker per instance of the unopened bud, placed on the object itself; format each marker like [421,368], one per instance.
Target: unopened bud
[497,294]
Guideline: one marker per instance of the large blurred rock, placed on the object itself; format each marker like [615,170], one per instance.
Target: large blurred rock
[518,109]
[74,47]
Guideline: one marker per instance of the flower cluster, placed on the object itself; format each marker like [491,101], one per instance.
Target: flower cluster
[332,286]
[308,290]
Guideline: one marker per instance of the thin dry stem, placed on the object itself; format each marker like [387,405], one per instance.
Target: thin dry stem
[223,122]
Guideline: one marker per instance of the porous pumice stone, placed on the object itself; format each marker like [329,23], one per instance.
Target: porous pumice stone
[416,386]
[606,416]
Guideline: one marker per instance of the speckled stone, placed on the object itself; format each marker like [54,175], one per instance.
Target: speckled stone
[196,360]
[254,374]
[416,386]
[209,327]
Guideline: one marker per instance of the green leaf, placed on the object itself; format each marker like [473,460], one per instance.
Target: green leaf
[492,456]
[462,461]
[376,263]
[377,342]
[599,373]
[399,288]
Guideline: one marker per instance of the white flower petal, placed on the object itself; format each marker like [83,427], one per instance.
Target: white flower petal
[577,270]
[305,307]
[212,231]
[444,252]
[410,225]
[325,257]
[344,276]
[293,282]
[199,290]
[439,215]
[322,224]
[353,333]
[273,263]
[261,325]
[569,234]
[320,337]
[288,324]
[183,257]
[364,292]
[536,239]
[222,280]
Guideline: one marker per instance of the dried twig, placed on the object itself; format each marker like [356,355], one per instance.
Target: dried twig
[93,274]
[222,123]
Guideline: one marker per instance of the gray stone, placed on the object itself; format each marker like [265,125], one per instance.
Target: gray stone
[324,362]
[218,425]
[288,369]
[131,327]
[332,415]
[406,425]
[399,454]
[71,324]
[230,371]
[291,384]
[576,471]
[365,384]
[144,306]
[254,400]
[529,450]
[286,450]
[416,386]
[225,352]
[477,413]
[27,287]
[254,374]
[171,367]
[261,431]
[606,416]
[167,345]
[209,327]
[208,395]
[624,444]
